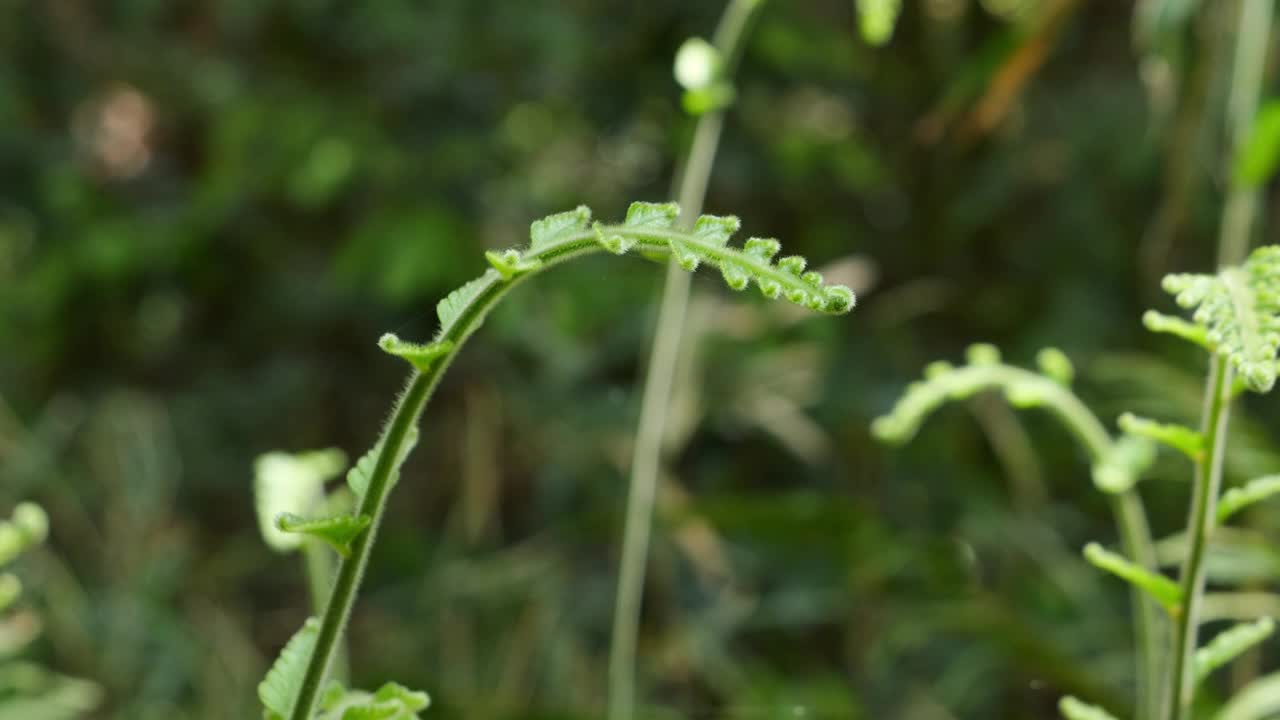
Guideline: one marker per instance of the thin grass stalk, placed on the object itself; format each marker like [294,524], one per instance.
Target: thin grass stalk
[646,459]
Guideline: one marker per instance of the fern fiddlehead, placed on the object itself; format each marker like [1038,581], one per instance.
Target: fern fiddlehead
[649,228]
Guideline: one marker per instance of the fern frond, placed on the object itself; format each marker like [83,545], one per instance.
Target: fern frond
[338,531]
[552,228]
[649,228]
[1229,644]
[392,701]
[1240,310]
[944,382]
[1239,498]
[455,304]
[279,689]
[1165,591]
[1172,325]
[1073,709]
[1179,437]
[421,356]
[650,231]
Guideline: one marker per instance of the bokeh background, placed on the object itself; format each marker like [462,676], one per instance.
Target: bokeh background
[209,212]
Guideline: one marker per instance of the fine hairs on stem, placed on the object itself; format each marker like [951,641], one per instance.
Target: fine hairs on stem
[295,686]
[646,462]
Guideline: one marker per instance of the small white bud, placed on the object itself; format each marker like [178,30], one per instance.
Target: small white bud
[697,63]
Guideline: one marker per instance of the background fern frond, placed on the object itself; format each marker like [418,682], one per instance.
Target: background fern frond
[1240,309]
[291,483]
[1074,709]
[1165,591]
[945,383]
[1230,643]
[1254,491]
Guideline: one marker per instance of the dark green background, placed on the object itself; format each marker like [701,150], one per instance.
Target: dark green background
[209,212]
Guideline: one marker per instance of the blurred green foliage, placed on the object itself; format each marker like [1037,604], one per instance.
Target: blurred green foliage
[209,212]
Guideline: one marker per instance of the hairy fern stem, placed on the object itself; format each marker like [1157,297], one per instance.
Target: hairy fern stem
[556,240]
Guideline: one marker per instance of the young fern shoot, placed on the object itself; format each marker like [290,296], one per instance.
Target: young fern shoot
[293,687]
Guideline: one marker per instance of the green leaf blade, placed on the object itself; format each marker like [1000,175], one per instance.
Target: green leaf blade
[1178,437]
[1239,309]
[452,307]
[716,229]
[1239,498]
[1229,644]
[1158,322]
[1073,709]
[279,689]
[559,226]
[1165,591]
[652,216]
[338,531]
[420,356]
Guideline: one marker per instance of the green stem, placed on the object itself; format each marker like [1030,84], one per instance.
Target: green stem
[490,290]
[1252,31]
[318,564]
[1135,539]
[1204,498]
[646,458]
[1149,631]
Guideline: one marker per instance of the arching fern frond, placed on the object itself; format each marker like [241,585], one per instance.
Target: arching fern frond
[649,230]
[1239,308]
[944,382]
[1116,464]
